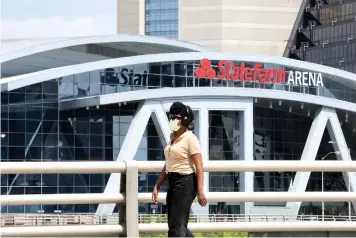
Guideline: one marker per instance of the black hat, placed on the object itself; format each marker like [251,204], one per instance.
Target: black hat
[185,111]
[178,108]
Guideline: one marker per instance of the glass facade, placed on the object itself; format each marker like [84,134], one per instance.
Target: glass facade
[162,18]
[327,34]
[37,129]
[278,135]
[43,133]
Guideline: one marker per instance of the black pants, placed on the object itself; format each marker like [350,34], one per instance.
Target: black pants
[180,196]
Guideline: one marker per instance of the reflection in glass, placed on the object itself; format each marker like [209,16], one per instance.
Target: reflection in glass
[320,40]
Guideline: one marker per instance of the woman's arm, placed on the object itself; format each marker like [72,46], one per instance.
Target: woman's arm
[162,177]
[200,176]
[198,162]
[195,153]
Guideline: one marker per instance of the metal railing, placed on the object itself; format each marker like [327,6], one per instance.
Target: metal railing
[20,220]
[130,223]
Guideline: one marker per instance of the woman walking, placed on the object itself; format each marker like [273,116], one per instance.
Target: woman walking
[184,170]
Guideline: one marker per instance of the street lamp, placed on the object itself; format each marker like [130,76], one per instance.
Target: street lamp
[334,142]
[348,173]
[333,152]
[322,183]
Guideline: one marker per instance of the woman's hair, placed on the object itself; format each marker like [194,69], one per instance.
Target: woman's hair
[191,119]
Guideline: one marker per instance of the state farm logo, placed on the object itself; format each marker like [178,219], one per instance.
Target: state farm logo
[226,70]
[205,70]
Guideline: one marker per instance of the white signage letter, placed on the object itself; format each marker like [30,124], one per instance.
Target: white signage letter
[298,77]
[290,78]
[305,79]
[320,80]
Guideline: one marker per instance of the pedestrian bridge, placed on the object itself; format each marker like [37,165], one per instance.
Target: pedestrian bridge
[129,223]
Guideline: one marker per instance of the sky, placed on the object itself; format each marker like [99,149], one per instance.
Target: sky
[28,19]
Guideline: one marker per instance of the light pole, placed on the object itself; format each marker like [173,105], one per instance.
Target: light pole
[348,174]
[322,183]
[344,146]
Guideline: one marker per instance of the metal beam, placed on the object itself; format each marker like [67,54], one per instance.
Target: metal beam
[95,198]
[114,230]
[56,167]
[127,153]
[325,118]
[305,226]
[92,167]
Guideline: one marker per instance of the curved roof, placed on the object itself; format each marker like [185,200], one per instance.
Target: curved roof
[194,92]
[12,83]
[17,49]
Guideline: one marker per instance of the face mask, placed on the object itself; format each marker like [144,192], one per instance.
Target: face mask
[173,124]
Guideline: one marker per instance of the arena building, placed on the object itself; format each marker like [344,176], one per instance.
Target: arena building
[105,98]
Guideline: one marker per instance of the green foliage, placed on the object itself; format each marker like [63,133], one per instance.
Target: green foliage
[163,219]
[205,234]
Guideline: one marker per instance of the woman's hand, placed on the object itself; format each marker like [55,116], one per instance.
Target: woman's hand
[155,195]
[202,199]
[162,177]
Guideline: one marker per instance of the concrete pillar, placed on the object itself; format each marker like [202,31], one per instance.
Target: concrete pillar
[246,182]
[202,131]
[129,211]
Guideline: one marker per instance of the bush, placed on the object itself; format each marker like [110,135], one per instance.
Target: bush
[163,219]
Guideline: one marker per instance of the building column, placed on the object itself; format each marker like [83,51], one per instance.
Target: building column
[201,129]
[246,182]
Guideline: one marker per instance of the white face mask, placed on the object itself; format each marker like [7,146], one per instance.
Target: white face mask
[173,124]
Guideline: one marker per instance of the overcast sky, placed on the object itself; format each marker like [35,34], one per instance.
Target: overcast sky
[55,18]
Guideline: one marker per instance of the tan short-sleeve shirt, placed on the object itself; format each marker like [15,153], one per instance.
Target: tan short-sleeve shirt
[179,154]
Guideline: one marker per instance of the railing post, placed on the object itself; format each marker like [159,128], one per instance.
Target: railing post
[131,200]
[122,211]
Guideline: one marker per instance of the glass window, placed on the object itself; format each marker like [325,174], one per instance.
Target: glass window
[162,18]
[322,41]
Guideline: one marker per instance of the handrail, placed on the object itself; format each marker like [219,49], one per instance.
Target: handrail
[101,198]
[64,167]
[18,220]
[113,230]
[197,216]
[156,166]
[129,187]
